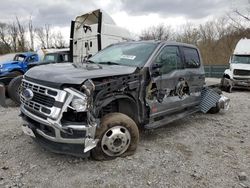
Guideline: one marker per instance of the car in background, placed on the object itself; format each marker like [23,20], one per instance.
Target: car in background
[11,72]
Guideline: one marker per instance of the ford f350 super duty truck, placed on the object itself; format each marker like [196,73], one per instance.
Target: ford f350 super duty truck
[97,107]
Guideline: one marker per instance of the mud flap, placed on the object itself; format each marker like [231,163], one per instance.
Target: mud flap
[2,95]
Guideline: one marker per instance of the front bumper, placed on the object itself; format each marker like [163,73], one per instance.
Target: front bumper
[60,148]
[241,83]
[69,138]
[237,83]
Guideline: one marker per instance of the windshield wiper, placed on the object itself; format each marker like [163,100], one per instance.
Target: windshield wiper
[108,63]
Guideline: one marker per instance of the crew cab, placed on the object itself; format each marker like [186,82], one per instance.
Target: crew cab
[97,107]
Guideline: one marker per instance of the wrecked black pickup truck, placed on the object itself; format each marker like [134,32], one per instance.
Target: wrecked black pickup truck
[97,107]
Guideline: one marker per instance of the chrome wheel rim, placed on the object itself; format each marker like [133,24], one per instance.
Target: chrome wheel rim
[115,141]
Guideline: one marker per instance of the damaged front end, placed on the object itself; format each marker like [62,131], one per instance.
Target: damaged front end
[60,120]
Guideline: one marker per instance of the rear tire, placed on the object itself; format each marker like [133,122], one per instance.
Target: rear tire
[118,136]
[214,110]
[14,89]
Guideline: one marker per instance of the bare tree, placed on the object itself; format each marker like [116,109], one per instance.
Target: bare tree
[31,32]
[4,36]
[47,35]
[240,18]
[40,34]
[247,18]
[13,34]
[190,34]
[160,32]
[58,40]
[21,36]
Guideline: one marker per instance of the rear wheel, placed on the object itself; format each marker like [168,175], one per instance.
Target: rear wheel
[14,89]
[118,136]
[214,110]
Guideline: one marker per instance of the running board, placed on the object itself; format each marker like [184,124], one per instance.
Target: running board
[171,118]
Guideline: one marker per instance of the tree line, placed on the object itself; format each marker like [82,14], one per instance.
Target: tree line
[216,39]
[21,36]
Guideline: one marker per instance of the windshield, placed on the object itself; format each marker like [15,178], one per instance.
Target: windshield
[244,59]
[50,57]
[130,54]
[19,57]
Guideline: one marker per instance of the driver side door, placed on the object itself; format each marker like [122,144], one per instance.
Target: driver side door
[168,99]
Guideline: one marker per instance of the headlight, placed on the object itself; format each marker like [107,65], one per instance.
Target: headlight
[88,87]
[80,105]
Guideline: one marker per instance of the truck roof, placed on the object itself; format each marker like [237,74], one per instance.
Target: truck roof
[26,53]
[242,47]
[162,43]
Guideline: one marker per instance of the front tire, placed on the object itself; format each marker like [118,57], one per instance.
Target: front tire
[14,89]
[226,87]
[118,136]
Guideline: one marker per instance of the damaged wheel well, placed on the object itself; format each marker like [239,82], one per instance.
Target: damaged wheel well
[123,105]
[226,76]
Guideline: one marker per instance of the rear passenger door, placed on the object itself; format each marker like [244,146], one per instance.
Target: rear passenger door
[195,76]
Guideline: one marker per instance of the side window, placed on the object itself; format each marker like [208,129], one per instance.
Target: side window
[170,59]
[31,59]
[192,59]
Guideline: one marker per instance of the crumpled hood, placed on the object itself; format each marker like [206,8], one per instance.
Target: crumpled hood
[8,62]
[68,73]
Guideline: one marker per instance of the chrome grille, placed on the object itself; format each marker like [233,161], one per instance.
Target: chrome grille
[43,99]
[241,72]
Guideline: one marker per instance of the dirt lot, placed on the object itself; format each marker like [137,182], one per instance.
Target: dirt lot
[204,150]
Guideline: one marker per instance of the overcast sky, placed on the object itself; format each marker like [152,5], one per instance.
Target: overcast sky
[135,15]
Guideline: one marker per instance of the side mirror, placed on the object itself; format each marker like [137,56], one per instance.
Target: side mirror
[89,56]
[156,69]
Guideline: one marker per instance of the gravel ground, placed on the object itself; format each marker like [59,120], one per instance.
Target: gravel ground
[203,150]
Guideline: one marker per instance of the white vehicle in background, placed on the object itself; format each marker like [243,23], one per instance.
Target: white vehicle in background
[92,32]
[238,75]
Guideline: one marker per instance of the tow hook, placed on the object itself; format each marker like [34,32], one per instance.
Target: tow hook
[2,96]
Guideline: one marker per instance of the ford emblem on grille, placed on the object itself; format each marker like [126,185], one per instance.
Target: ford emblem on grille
[27,94]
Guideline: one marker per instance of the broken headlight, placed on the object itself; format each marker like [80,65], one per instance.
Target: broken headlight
[88,87]
[80,104]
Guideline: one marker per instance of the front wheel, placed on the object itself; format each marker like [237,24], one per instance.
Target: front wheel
[118,136]
[14,89]
[226,86]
